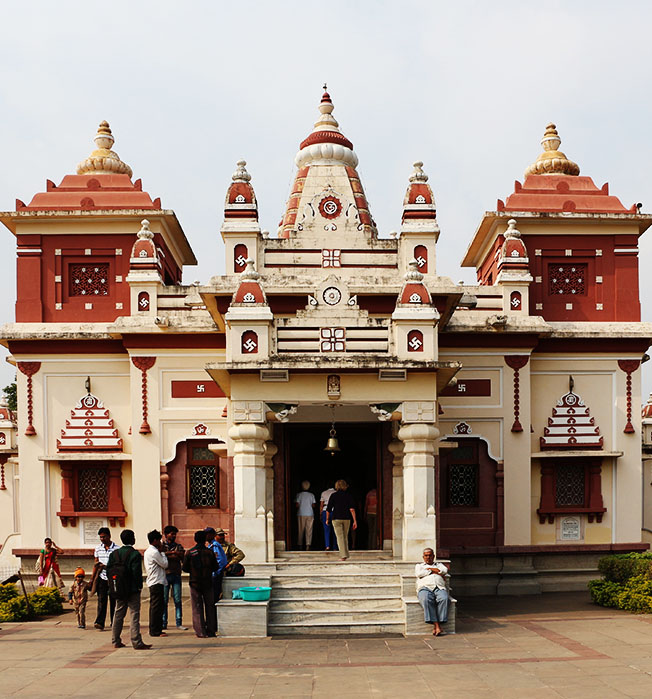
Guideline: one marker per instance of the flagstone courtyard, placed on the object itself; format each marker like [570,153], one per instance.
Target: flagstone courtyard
[553,645]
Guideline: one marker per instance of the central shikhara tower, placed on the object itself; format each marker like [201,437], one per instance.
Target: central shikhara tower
[211,402]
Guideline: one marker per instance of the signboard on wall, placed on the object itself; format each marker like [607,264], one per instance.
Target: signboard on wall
[468,387]
[196,389]
[89,529]
[570,529]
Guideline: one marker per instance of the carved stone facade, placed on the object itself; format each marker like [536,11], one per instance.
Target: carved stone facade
[442,397]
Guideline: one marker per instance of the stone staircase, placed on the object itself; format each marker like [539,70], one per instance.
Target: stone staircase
[313,593]
[352,598]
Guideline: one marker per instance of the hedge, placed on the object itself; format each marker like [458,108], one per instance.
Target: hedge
[627,582]
[44,601]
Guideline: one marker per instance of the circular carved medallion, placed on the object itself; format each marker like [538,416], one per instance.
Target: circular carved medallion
[332,295]
[330,207]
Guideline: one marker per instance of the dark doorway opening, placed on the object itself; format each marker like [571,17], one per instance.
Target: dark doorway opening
[358,463]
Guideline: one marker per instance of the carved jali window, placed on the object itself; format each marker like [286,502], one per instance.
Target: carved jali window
[89,279]
[93,491]
[570,487]
[567,279]
[463,476]
[202,477]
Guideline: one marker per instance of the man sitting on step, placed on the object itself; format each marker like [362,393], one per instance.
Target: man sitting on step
[431,590]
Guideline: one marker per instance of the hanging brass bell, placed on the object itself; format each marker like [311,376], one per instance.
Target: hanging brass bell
[332,444]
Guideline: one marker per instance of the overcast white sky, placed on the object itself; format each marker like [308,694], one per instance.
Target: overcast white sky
[189,88]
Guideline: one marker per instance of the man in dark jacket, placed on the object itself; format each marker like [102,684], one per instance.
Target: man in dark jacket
[200,563]
[132,561]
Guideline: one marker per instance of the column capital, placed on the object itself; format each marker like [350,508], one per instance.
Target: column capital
[418,431]
[248,431]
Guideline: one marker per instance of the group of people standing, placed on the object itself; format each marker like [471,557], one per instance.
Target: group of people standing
[337,513]
[117,580]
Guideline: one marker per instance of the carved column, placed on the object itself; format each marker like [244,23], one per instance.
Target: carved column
[270,452]
[249,487]
[3,461]
[144,364]
[67,504]
[419,522]
[165,495]
[396,449]
[29,369]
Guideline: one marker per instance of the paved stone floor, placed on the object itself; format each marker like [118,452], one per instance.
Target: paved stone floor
[550,645]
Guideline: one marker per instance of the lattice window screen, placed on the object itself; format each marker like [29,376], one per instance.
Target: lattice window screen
[567,279]
[89,279]
[463,484]
[93,489]
[203,492]
[570,485]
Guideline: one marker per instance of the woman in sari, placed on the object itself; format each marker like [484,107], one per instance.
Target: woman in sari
[47,567]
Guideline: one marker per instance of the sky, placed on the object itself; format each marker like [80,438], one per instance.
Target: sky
[189,88]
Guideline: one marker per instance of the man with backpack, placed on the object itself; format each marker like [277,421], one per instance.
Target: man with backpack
[200,562]
[125,576]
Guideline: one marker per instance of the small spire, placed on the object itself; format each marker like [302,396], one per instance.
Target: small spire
[511,231]
[103,161]
[144,233]
[249,271]
[241,174]
[413,274]
[418,175]
[552,161]
[326,118]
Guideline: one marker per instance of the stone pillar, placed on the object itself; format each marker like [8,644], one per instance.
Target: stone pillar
[396,449]
[270,451]
[249,486]
[419,449]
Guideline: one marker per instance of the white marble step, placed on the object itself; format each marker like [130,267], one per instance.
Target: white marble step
[304,579]
[350,604]
[330,616]
[362,591]
[386,627]
[346,567]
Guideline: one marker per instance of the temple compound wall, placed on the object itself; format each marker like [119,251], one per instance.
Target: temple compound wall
[498,422]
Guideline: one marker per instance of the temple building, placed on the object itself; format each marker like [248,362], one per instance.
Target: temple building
[499,422]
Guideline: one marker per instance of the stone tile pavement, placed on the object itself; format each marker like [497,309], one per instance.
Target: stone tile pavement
[553,645]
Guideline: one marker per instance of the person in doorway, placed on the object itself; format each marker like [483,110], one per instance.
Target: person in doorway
[341,512]
[47,566]
[200,563]
[370,514]
[234,555]
[216,547]
[306,503]
[174,553]
[432,591]
[329,534]
[156,564]
[102,552]
[78,597]
[128,556]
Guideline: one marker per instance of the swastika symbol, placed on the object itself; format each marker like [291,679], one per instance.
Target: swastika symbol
[240,260]
[201,387]
[421,261]
[415,343]
[249,345]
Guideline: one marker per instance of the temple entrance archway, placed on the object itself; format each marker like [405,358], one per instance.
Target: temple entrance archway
[364,462]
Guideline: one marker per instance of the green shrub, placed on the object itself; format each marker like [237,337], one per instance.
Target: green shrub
[636,595]
[14,609]
[46,600]
[605,592]
[619,568]
[8,592]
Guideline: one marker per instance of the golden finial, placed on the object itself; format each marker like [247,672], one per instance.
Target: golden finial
[552,161]
[103,161]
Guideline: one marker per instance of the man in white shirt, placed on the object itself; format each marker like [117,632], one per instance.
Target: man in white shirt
[306,503]
[431,590]
[329,534]
[102,553]
[156,564]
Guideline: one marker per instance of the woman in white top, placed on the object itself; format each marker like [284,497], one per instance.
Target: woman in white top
[431,590]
